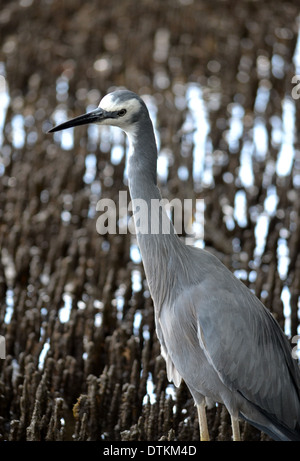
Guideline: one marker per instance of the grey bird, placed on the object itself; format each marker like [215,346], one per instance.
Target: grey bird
[214,333]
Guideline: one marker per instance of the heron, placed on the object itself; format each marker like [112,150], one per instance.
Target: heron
[214,333]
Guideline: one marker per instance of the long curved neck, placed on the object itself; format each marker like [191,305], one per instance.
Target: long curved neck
[143,152]
[142,175]
[157,240]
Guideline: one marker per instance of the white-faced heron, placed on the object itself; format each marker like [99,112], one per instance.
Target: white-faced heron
[214,332]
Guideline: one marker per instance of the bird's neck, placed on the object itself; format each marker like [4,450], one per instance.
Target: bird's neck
[143,152]
[159,244]
[142,171]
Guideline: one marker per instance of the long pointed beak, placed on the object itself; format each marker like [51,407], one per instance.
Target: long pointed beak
[91,117]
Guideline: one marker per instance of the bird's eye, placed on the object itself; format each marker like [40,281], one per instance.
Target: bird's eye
[122,112]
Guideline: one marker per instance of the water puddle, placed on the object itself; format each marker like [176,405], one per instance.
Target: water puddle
[65,311]
[43,354]
[236,127]
[240,208]
[150,395]
[246,174]
[9,306]
[197,123]
[287,152]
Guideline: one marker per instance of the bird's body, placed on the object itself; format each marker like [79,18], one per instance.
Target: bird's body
[214,332]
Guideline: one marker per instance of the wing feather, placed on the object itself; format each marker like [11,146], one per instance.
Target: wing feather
[245,345]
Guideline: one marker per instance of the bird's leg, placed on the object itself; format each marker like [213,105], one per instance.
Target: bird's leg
[204,435]
[235,429]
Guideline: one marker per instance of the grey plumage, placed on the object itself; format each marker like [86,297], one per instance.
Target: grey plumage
[214,332]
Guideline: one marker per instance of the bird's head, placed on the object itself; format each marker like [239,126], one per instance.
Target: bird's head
[121,108]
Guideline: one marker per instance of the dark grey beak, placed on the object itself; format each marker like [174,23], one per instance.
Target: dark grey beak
[91,117]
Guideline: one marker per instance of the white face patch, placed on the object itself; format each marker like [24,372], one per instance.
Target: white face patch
[107,103]
[110,104]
